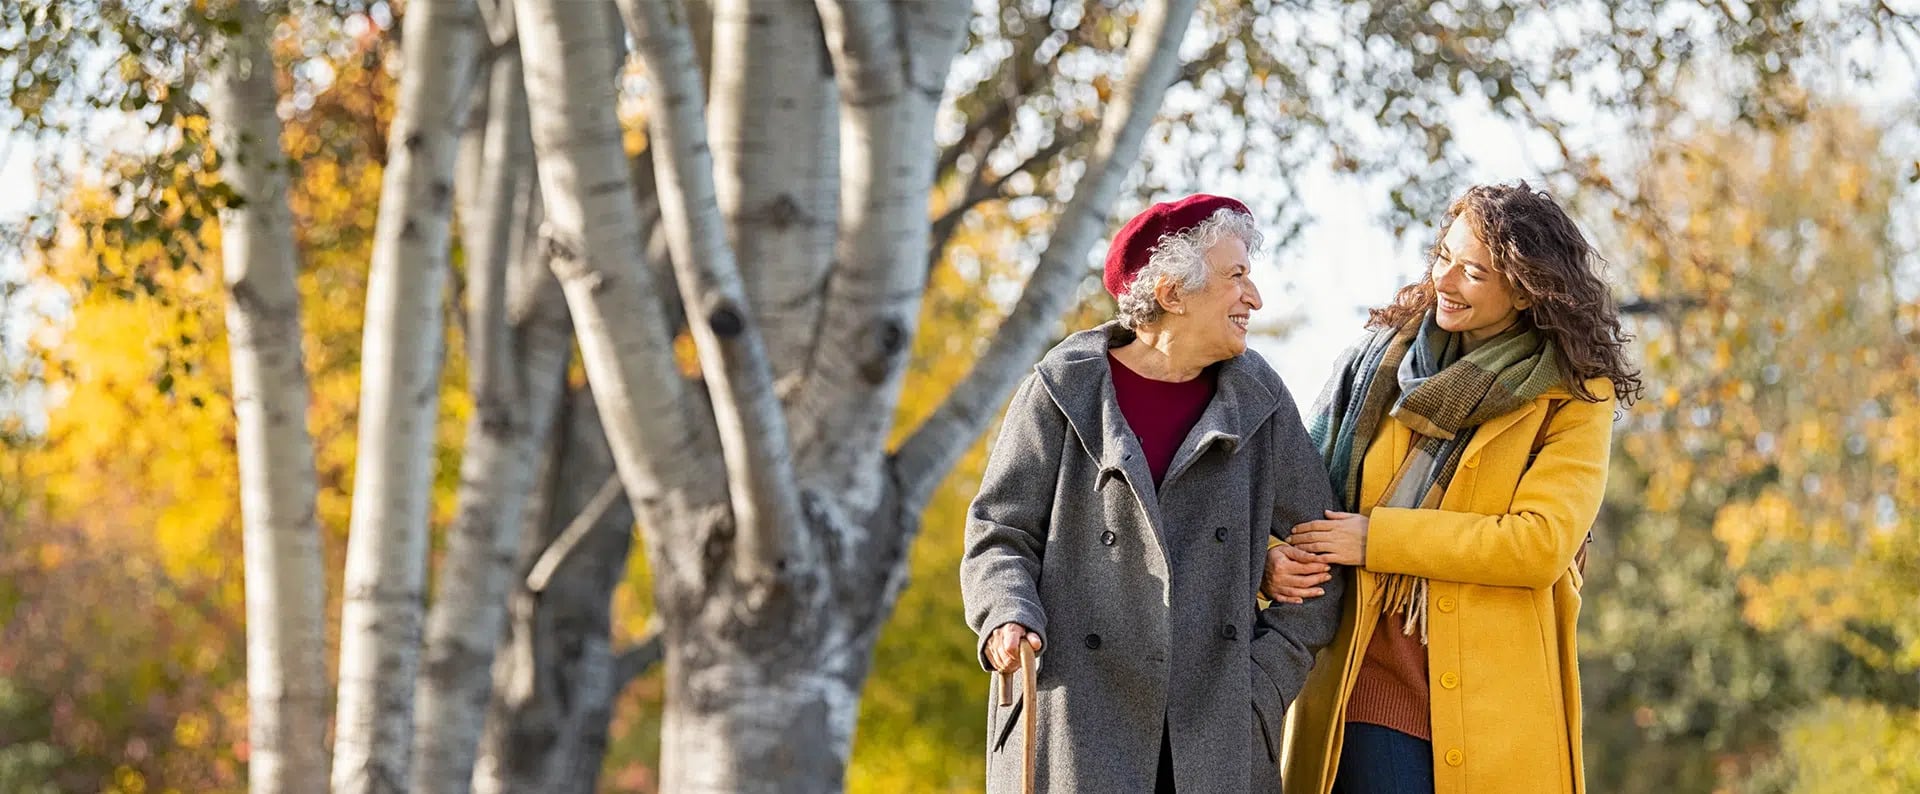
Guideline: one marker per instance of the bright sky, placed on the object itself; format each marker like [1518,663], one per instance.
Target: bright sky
[17,185]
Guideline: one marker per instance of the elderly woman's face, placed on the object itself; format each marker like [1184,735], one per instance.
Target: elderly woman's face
[1217,314]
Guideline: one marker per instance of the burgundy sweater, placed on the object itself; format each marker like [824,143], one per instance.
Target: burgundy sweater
[1160,413]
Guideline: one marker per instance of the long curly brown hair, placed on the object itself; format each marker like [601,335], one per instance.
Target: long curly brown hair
[1542,255]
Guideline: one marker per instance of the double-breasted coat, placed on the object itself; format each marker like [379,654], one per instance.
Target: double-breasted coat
[1145,597]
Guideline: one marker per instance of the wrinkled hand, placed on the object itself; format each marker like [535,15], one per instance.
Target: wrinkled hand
[1293,576]
[1341,538]
[1003,646]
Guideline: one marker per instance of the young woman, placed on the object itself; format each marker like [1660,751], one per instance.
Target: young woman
[1467,438]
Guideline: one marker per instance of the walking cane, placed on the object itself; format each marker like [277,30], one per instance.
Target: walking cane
[1028,720]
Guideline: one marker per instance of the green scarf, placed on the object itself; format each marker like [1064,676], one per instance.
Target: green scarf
[1424,377]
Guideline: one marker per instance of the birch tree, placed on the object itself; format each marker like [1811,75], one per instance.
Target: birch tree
[380,631]
[519,343]
[286,600]
[558,672]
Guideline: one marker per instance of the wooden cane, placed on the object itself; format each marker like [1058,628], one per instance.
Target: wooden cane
[1029,719]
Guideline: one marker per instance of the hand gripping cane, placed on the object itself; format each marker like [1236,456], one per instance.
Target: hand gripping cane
[1028,719]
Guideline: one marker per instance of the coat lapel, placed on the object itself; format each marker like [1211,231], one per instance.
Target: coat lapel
[1240,404]
[1077,376]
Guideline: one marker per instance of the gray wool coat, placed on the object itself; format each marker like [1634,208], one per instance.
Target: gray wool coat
[1144,597]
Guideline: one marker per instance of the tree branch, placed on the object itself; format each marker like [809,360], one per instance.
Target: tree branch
[1152,56]
[997,120]
[753,432]
[563,547]
[663,440]
[980,191]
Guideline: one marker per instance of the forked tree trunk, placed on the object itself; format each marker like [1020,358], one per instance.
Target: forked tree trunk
[557,675]
[777,555]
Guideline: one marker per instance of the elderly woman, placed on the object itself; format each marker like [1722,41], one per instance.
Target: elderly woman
[1122,522]
[1468,436]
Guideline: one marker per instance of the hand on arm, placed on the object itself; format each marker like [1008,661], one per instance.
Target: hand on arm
[1530,545]
[1340,538]
[1293,576]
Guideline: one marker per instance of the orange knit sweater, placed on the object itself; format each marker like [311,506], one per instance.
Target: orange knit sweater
[1392,689]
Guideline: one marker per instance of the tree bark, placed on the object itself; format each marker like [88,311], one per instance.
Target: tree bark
[762,685]
[662,436]
[520,342]
[399,400]
[287,688]
[891,63]
[557,680]
[776,155]
[733,360]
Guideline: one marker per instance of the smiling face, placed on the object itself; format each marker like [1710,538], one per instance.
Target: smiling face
[1471,298]
[1213,320]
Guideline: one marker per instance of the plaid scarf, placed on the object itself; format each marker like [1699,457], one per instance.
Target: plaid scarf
[1423,377]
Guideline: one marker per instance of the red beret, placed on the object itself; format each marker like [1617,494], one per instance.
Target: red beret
[1130,248]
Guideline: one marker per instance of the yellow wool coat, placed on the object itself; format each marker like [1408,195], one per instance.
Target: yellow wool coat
[1503,602]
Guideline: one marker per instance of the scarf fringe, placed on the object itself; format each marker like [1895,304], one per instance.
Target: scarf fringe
[1406,596]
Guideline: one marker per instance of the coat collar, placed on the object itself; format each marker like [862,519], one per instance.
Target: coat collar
[1079,379]
[1500,424]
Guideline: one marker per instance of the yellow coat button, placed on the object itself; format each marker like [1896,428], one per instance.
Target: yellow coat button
[1473,462]
[1455,757]
[1445,603]
[1450,680]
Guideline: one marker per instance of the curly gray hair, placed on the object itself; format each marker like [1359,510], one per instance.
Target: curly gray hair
[1181,259]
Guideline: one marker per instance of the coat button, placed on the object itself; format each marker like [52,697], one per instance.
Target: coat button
[1445,603]
[1106,538]
[1455,757]
[1093,642]
[1220,534]
[1473,462]
[1450,680]
[1229,631]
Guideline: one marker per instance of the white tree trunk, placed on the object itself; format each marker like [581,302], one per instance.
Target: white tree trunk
[519,342]
[769,541]
[285,590]
[661,430]
[661,438]
[776,154]
[380,628]
[891,63]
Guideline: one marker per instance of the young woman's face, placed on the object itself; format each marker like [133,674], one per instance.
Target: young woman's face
[1471,298]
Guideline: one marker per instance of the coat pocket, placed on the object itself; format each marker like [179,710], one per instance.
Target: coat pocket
[1266,733]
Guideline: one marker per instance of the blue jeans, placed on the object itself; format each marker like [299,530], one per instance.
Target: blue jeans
[1381,760]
